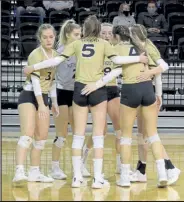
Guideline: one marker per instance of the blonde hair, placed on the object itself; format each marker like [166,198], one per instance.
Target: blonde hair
[67,27]
[105,24]
[42,28]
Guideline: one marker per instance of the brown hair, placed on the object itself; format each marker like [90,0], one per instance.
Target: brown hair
[92,27]
[122,31]
[67,27]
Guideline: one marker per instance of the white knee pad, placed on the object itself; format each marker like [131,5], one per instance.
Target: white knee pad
[118,134]
[78,141]
[59,142]
[98,142]
[39,144]
[25,141]
[125,141]
[154,138]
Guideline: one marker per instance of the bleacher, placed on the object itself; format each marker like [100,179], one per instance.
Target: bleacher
[17,43]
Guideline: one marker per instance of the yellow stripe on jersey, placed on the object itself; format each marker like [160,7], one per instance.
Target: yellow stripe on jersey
[47,75]
[90,54]
[131,71]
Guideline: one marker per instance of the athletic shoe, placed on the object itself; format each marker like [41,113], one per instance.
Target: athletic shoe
[173,175]
[99,183]
[37,176]
[124,180]
[85,172]
[78,182]
[137,176]
[162,174]
[58,174]
[20,177]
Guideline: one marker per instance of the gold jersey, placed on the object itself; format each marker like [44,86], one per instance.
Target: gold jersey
[47,75]
[131,71]
[152,51]
[108,66]
[90,54]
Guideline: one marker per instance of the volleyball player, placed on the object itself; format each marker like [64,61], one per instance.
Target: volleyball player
[113,104]
[133,95]
[34,110]
[65,76]
[90,52]
[139,33]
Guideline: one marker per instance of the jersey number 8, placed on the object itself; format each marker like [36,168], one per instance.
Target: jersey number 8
[88,48]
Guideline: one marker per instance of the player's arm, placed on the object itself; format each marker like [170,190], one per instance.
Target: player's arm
[53,62]
[89,88]
[110,53]
[53,95]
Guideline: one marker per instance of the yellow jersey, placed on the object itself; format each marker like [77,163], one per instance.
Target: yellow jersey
[90,54]
[47,75]
[131,71]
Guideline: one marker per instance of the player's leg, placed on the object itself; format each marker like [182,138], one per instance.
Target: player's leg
[113,110]
[27,114]
[40,138]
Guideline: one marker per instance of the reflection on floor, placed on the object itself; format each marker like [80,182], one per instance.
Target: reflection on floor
[62,191]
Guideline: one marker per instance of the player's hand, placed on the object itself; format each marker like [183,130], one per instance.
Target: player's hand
[144,76]
[143,58]
[28,70]
[55,109]
[159,102]
[89,88]
[43,112]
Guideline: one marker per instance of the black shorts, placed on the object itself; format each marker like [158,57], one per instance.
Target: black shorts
[29,97]
[64,97]
[92,99]
[112,92]
[134,95]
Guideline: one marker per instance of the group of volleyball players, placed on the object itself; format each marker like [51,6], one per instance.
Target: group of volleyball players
[81,77]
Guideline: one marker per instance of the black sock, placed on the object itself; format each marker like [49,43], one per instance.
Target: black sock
[169,164]
[141,167]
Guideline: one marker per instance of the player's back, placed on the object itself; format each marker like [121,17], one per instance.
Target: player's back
[130,71]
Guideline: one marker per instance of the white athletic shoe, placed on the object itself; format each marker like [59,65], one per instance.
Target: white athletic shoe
[20,177]
[173,175]
[100,183]
[58,174]
[85,172]
[37,176]
[124,180]
[78,182]
[162,175]
[137,176]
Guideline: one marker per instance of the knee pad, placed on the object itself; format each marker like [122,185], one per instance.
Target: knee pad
[78,141]
[39,144]
[154,138]
[118,134]
[59,142]
[98,142]
[140,139]
[125,141]
[25,141]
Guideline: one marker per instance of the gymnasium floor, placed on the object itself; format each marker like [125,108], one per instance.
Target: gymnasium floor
[62,191]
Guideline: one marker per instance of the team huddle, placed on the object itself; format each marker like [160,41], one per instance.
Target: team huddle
[81,76]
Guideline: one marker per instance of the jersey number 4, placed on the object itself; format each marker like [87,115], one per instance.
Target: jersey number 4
[133,52]
[88,50]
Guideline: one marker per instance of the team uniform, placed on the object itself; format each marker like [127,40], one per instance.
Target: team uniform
[45,76]
[134,94]
[90,53]
[65,78]
[112,88]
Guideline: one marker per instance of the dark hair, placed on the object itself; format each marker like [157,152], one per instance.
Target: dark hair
[122,31]
[92,27]
[152,2]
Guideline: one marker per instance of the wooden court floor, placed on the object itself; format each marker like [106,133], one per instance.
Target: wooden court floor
[62,191]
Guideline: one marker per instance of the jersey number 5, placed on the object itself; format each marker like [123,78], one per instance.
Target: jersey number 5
[90,49]
[48,77]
